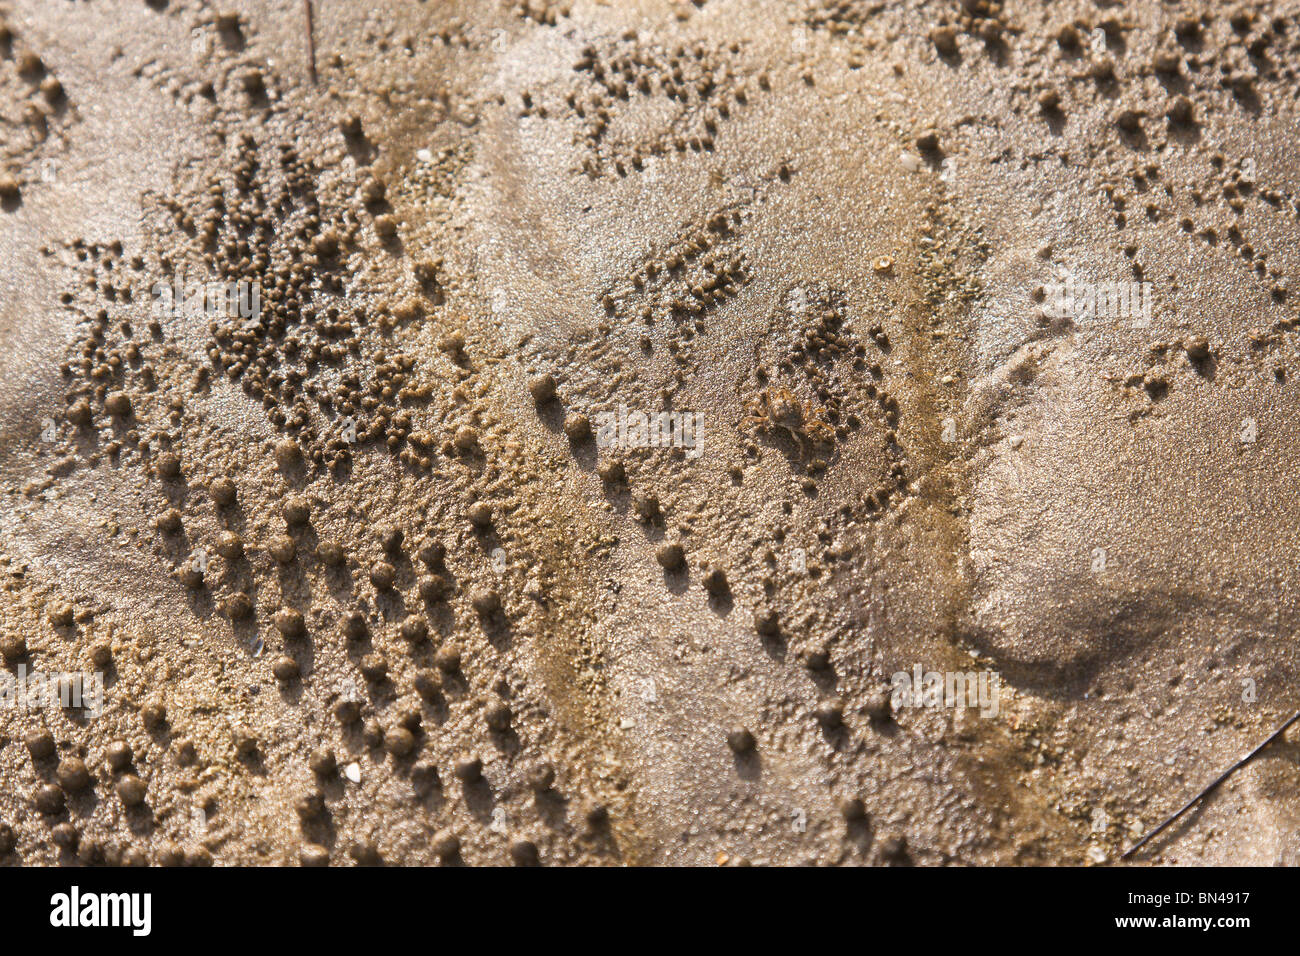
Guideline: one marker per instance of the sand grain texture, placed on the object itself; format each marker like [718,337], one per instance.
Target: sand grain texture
[367,592]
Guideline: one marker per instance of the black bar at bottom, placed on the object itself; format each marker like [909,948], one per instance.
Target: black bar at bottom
[336,907]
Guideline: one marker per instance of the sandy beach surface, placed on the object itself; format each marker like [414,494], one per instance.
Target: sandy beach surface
[544,432]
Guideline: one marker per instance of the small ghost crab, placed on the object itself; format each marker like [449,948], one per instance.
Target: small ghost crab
[780,408]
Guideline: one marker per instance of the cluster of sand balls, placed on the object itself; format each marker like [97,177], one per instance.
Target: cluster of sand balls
[43,102]
[699,82]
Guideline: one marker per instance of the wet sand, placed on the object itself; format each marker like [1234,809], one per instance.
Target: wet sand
[389,570]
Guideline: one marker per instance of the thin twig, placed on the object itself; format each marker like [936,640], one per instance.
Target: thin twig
[311,41]
[1218,780]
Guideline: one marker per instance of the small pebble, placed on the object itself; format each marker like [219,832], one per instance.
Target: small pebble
[480,514]
[169,465]
[230,545]
[347,712]
[310,806]
[830,714]
[238,606]
[285,668]
[524,853]
[485,601]
[323,763]
[72,774]
[391,538]
[131,790]
[13,647]
[577,427]
[49,799]
[466,438]
[244,740]
[432,553]
[498,717]
[740,740]
[382,575]
[119,755]
[61,614]
[118,403]
[944,40]
[877,706]
[330,553]
[223,492]
[542,388]
[374,668]
[296,510]
[399,741]
[445,845]
[354,625]
[670,556]
[282,548]
[433,587]
[313,854]
[894,849]
[40,744]
[65,836]
[447,660]
[289,622]
[287,453]
[469,769]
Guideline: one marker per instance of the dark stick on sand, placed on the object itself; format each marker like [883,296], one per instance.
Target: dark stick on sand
[1218,780]
[311,42]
